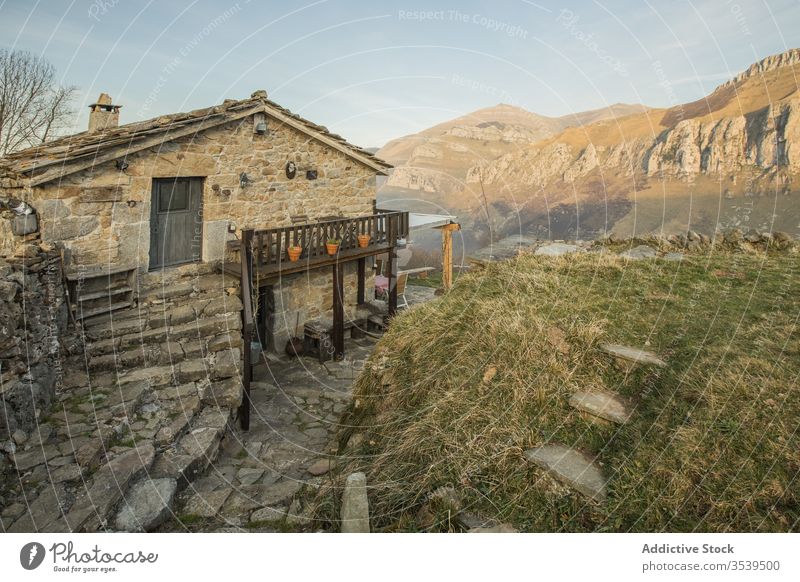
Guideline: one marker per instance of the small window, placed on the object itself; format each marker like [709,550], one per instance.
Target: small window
[173,199]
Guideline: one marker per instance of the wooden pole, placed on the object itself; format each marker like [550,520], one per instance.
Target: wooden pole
[447,254]
[247,326]
[392,274]
[362,275]
[338,311]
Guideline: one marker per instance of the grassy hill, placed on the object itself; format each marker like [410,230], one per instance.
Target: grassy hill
[459,388]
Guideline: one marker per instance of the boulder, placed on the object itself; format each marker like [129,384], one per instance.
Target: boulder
[146,505]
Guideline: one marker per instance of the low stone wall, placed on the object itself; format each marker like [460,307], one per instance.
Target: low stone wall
[734,239]
[33,320]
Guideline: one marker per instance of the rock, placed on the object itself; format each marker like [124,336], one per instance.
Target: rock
[249,476]
[321,467]
[355,505]
[571,467]
[227,363]
[469,520]
[191,370]
[224,393]
[499,528]
[634,355]
[601,404]
[279,492]
[781,237]
[146,505]
[106,488]
[42,511]
[19,437]
[753,237]
[268,514]
[71,472]
[556,250]
[206,504]
[673,257]
[638,253]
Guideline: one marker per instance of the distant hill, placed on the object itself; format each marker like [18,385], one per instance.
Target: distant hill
[726,160]
[438,158]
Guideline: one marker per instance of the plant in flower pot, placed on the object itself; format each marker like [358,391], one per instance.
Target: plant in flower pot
[332,246]
[363,240]
[294,252]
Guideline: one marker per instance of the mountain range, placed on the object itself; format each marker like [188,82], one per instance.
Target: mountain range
[726,160]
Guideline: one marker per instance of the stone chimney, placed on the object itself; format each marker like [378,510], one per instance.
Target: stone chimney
[103,114]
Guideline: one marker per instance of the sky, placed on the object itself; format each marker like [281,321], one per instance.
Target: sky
[374,71]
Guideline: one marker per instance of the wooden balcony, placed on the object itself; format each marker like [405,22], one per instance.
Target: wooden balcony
[268,247]
[264,257]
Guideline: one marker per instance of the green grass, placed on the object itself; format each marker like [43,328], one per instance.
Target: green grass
[713,443]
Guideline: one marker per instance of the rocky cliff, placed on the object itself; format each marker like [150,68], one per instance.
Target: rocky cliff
[739,128]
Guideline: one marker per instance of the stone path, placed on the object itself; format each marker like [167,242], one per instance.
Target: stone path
[573,467]
[297,403]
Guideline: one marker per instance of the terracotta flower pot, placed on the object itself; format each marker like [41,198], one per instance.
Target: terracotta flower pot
[294,253]
[363,240]
[332,248]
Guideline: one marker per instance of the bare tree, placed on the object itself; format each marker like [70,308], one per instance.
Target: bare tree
[33,108]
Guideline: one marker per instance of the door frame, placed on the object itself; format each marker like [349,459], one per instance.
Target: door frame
[154,180]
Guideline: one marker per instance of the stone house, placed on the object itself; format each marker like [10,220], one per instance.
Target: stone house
[125,201]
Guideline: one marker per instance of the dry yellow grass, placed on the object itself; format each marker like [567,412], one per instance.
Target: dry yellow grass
[458,389]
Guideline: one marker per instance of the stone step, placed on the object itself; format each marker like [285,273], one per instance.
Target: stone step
[570,467]
[138,331]
[634,355]
[604,405]
[93,507]
[195,450]
[147,355]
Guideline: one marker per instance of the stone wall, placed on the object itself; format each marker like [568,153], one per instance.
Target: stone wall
[102,215]
[33,319]
[308,296]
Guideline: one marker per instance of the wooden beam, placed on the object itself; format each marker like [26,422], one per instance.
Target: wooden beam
[447,254]
[362,276]
[247,329]
[338,311]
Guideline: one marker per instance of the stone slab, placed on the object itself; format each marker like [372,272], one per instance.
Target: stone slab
[355,504]
[571,467]
[602,404]
[634,355]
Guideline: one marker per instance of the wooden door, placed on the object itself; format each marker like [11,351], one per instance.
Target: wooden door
[176,222]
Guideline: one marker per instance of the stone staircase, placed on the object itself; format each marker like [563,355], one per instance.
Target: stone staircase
[572,467]
[141,412]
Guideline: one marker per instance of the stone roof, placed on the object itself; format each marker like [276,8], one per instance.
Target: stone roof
[70,154]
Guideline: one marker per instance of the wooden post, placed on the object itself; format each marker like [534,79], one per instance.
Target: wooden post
[246,257]
[338,311]
[392,271]
[362,275]
[392,275]
[447,254]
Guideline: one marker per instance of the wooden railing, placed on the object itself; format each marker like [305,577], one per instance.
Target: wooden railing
[269,246]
